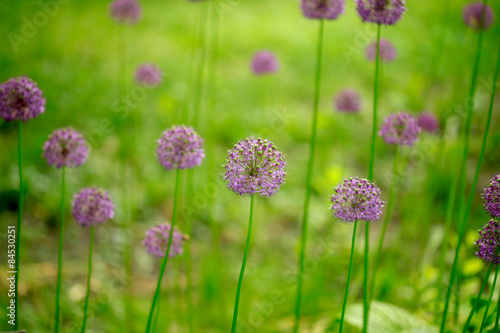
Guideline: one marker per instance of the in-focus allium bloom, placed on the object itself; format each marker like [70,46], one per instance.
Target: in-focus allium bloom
[156,241]
[387,52]
[180,147]
[357,199]
[92,206]
[488,242]
[126,11]
[148,75]
[348,101]
[491,197]
[65,147]
[322,9]
[386,12]
[428,122]
[400,128]
[478,17]
[255,165]
[20,99]
[264,62]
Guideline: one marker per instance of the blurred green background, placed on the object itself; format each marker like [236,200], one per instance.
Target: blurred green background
[74,57]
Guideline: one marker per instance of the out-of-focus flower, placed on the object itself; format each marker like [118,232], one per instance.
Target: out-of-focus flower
[20,99]
[126,11]
[322,9]
[148,75]
[348,101]
[156,241]
[428,122]
[264,62]
[180,147]
[65,147]
[478,16]
[386,12]
[92,206]
[387,52]
[400,128]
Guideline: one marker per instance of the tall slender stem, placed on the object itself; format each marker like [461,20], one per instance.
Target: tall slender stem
[60,250]
[386,219]
[91,250]
[483,322]
[497,318]
[19,220]
[165,260]
[463,164]
[242,271]
[310,166]
[348,277]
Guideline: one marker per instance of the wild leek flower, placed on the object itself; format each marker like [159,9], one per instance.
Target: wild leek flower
[387,52]
[148,75]
[156,241]
[126,11]
[428,122]
[491,197]
[386,12]
[478,16]
[65,147]
[400,128]
[255,165]
[180,147]
[348,101]
[323,9]
[488,242]
[92,206]
[20,99]
[264,62]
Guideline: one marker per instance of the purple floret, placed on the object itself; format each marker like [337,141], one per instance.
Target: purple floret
[387,52]
[264,62]
[156,241]
[180,147]
[357,199]
[386,12]
[65,147]
[126,11]
[20,99]
[92,206]
[255,165]
[322,9]
[488,242]
[148,75]
[428,122]
[400,128]
[491,197]
[477,16]
[348,101]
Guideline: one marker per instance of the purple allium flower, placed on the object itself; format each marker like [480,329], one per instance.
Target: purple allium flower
[65,147]
[264,62]
[400,128]
[20,99]
[126,11]
[348,101]
[156,241]
[491,197]
[255,165]
[478,17]
[428,122]
[180,147]
[488,242]
[357,199]
[92,206]
[386,12]
[387,52]
[322,9]
[148,75]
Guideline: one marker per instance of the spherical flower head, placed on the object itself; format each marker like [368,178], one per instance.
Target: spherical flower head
[323,9]
[491,197]
[428,122]
[264,62]
[92,206]
[65,147]
[357,199]
[386,12]
[348,101]
[148,75]
[488,242]
[255,165]
[156,241]
[180,147]
[387,51]
[20,99]
[478,16]
[400,128]
[126,11]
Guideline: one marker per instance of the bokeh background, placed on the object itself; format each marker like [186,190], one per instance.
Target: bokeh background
[74,56]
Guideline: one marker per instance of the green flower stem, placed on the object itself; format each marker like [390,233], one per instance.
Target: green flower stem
[497,318]
[61,241]
[310,166]
[188,229]
[483,322]
[348,278]
[386,220]
[463,172]
[19,220]
[91,250]
[167,254]
[242,271]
